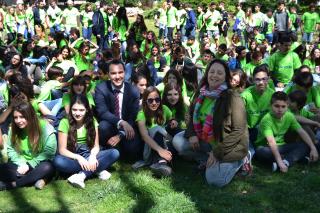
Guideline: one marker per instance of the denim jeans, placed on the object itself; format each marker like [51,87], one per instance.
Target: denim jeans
[70,166]
[221,173]
[86,33]
[269,38]
[307,37]
[163,31]
[183,147]
[55,28]
[292,152]
[53,105]
[170,33]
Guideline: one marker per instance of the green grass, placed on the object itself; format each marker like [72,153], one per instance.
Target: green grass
[185,191]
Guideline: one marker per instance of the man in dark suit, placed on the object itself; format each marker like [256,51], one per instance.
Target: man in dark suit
[117,105]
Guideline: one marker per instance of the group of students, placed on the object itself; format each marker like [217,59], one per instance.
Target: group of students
[74,107]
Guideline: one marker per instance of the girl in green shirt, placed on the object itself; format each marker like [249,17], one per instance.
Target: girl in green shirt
[172,98]
[79,152]
[85,55]
[11,24]
[314,60]
[139,28]
[148,44]
[78,86]
[31,145]
[120,25]
[151,122]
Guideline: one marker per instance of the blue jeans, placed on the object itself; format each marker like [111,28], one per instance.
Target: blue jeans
[269,37]
[162,31]
[55,28]
[53,105]
[86,33]
[70,166]
[307,37]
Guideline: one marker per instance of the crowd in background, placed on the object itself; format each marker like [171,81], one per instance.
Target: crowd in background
[80,89]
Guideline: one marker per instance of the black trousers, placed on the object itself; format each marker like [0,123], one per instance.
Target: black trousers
[8,173]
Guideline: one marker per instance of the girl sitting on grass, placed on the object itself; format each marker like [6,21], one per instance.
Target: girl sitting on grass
[31,146]
[151,123]
[79,152]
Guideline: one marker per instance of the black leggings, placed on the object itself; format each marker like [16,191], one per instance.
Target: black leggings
[8,173]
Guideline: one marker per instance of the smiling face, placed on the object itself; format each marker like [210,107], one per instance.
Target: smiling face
[20,120]
[78,112]
[15,60]
[116,75]
[173,97]
[65,53]
[216,75]
[153,101]
[235,81]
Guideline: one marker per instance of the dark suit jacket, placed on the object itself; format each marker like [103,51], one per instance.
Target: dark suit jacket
[105,103]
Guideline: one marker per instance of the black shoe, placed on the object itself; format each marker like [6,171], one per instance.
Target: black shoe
[161,169]
[3,186]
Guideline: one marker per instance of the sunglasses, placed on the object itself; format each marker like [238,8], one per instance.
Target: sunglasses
[151,100]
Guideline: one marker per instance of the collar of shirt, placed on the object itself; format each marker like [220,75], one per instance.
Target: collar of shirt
[121,89]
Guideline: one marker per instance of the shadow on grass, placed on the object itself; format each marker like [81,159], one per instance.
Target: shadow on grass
[58,196]
[143,199]
[21,203]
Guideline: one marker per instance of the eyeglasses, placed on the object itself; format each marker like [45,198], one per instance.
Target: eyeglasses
[257,80]
[151,100]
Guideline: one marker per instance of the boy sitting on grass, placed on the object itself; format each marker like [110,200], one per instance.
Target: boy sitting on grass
[308,120]
[271,146]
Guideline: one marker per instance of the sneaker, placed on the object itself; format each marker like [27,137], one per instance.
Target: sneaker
[77,180]
[104,175]
[40,184]
[139,164]
[274,166]
[286,162]
[161,169]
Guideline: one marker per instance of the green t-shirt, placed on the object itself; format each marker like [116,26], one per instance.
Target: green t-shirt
[313,95]
[87,19]
[167,115]
[310,64]
[271,126]
[81,132]
[171,17]
[162,16]
[25,147]
[66,99]
[46,88]
[282,66]
[293,18]
[259,38]
[270,26]
[105,20]
[249,67]
[120,27]
[83,64]
[70,16]
[256,105]
[309,21]
[214,17]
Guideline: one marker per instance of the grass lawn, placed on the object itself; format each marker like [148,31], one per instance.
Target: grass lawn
[185,191]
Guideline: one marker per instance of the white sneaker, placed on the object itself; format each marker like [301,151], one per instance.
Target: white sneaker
[77,180]
[104,175]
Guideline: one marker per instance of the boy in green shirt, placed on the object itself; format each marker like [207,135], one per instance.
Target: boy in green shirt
[309,23]
[271,145]
[283,63]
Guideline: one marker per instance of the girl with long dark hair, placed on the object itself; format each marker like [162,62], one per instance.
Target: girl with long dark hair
[151,124]
[79,152]
[31,146]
